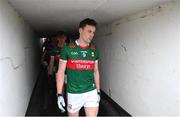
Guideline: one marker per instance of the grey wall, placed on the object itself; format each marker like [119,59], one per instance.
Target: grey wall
[18,61]
[140,61]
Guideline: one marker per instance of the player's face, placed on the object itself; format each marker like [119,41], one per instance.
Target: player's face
[61,41]
[87,33]
[64,39]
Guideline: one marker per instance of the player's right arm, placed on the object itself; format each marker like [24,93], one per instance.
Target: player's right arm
[60,76]
[61,70]
[60,84]
[51,65]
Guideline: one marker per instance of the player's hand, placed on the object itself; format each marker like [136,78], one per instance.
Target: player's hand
[99,96]
[61,103]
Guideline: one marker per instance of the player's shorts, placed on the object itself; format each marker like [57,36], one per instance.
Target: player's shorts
[77,101]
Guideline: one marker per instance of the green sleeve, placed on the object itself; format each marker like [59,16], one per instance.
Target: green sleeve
[53,53]
[64,50]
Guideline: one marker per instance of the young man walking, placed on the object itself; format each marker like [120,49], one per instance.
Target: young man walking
[80,59]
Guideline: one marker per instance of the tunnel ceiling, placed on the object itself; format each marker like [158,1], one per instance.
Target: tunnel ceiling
[52,15]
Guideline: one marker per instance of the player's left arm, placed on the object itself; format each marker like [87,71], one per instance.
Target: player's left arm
[97,76]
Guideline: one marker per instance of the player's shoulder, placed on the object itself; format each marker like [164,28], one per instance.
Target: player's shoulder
[93,46]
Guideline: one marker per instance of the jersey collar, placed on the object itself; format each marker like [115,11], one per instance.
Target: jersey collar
[83,47]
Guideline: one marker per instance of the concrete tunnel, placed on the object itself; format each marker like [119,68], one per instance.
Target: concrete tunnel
[139,43]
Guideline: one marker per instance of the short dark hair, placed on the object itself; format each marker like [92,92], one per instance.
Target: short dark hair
[87,21]
[60,33]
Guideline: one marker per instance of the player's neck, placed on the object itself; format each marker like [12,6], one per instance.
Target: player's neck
[82,43]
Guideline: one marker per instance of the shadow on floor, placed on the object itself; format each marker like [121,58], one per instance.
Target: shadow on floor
[43,100]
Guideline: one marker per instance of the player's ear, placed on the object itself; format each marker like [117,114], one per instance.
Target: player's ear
[80,30]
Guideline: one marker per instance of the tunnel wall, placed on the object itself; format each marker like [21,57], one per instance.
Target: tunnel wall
[19,59]
[140,61]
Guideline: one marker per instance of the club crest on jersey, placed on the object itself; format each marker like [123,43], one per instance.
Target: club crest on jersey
[84,53]
[92,54]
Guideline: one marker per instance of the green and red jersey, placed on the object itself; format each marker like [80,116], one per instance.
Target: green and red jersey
[56,53]
[80,67]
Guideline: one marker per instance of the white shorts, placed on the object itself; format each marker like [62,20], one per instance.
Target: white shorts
[77,101]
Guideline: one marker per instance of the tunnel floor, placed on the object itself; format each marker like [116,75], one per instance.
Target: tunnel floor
[43,101]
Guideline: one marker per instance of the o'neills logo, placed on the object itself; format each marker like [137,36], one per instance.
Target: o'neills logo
[81,64]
